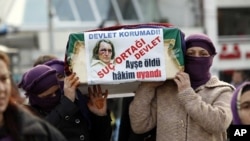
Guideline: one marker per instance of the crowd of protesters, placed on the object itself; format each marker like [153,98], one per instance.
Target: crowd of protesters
[193,106]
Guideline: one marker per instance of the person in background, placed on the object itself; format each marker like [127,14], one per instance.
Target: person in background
[238,77]
[77,116]
[43,58]
[41,79]
[16,123]
[53,62]
[240,104]
[192,106]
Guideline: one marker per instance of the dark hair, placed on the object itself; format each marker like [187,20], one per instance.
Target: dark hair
[44,58]
[245,88]
[97,46]
[15,100]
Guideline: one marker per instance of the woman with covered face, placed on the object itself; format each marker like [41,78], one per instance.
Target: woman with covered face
[77,116]
[193,106]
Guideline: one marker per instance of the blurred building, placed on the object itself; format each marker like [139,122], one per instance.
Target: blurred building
[37,27]
[233,21]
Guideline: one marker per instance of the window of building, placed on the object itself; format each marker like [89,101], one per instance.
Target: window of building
[119,10]
[234,21]
[35,12]
[86,10]
[106,10]
[74,10]
[63,10]
[79,12]
[127,10]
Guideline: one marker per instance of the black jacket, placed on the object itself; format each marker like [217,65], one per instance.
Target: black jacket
[32,128]
[68,118]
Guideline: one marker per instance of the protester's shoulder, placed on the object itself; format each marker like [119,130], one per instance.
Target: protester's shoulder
[215,82]
[32,110]
[27,118]
[28,122]
[31,124]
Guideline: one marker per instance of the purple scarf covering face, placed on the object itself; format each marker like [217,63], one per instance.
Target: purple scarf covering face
[198,69]
[46,104]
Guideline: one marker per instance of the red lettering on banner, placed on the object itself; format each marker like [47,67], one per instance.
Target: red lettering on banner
[128,52]
[140,47]
[148,47]
[148,74]
[105,70]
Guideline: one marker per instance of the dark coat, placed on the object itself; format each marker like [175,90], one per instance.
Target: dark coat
[68,118]
[33,128]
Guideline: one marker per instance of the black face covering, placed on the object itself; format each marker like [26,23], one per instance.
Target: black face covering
[47,103]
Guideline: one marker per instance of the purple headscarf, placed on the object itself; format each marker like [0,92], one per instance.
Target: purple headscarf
[198,68]
[38,80]
[235,101]
[58,65]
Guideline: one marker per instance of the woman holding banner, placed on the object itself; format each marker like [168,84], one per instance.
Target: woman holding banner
[192,106]
[77,116]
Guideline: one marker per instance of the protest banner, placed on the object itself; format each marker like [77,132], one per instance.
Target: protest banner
[120,59]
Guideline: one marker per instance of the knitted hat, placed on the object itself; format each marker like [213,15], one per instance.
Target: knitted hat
[235,103]
[56,64]
[38,79]
[200,40]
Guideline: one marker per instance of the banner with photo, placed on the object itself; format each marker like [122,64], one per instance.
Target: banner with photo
[125,55]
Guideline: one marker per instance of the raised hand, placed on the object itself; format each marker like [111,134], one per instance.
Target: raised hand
[97,100]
